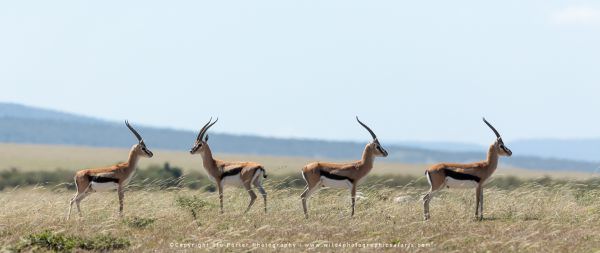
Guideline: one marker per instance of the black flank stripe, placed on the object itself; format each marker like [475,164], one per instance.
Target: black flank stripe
[335,176]
[461,176]
[99,179]
[231,172]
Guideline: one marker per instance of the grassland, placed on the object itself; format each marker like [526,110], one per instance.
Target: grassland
[528,218]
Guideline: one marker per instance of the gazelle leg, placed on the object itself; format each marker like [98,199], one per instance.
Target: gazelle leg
[262,191]
[426,199]
[220,188]
[479,206]
[437,183]
[76,199]
[71,205]
[80,196]
[353,196]
[252,197]
[308,190]
[121,193]
[303,196]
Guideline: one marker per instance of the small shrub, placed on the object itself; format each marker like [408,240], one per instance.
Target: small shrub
[191,205]
[139,222]
[104,243]
[64,243]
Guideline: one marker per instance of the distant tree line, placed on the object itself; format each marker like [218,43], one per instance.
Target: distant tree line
[167,177]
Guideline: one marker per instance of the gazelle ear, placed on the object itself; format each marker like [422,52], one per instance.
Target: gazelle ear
[206,138]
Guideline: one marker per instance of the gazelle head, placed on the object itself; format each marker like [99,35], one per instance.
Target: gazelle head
[139,148]
[374,145]
[200,144]
[499,144]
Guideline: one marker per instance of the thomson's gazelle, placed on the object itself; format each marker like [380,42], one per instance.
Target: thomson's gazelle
[109,178]
[341,175]
[224,173]
[471,175]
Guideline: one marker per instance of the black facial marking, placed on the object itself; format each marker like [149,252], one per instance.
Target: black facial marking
[100,179]
[461,176]
[335,176]
[231,172]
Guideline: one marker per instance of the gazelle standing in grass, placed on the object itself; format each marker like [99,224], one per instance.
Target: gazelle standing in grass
[224,173]
[341,175]
[109,178]
[470,175]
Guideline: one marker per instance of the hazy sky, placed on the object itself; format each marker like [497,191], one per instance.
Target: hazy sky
[413,70]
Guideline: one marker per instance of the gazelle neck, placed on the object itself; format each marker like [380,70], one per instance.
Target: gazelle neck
[208,161]
[492,157]
[133,159]
[367,160]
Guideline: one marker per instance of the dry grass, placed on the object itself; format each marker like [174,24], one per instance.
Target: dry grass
[529,219]
[76,158]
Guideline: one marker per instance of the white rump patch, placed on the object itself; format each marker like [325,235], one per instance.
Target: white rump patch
[328,182]
[453,183]
[428,178]
[104,186]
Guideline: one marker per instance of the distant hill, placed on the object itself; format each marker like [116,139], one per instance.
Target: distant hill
[23,124]
[582,149]
[442,146]
[12,110]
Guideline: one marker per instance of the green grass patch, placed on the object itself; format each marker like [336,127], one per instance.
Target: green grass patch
[59,242]
[139,222]
[192,205]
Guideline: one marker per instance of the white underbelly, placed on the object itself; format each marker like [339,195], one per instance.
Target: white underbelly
[453,183]
[104,186]
[235,180]
[333,183]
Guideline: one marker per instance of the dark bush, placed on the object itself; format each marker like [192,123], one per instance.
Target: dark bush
[139,222]
[153,177]
[156,177]
[14,177]
[65,243]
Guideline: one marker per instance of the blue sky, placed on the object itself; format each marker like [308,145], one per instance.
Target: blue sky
[413,70]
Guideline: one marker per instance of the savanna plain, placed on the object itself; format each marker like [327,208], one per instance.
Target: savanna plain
[531,212]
